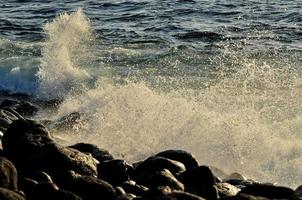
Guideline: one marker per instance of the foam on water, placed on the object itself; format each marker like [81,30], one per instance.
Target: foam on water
[60,71]
[18,64]
[247,120]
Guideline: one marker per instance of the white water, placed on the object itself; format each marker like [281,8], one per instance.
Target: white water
[17,68]
[59,72]
[249,121]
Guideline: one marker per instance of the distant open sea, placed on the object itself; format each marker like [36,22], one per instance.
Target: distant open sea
[221,79]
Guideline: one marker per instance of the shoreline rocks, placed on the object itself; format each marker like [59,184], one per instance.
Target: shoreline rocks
[34,166]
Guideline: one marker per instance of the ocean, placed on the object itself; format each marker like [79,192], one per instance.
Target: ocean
[221,79]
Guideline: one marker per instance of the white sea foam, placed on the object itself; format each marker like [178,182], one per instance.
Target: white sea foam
[67,38]
[247,120]
[233,125]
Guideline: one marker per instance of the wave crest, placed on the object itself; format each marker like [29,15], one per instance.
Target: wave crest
[60,71]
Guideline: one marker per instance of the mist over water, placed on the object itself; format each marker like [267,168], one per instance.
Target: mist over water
[234,103]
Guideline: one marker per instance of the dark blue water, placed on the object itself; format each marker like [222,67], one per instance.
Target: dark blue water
[269,23]
[218,78]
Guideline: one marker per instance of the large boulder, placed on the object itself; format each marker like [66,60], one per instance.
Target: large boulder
[24,108]
[8,174]
[57,159]
[98,153]
[161,178]
[24,140]
[49,191]
[29,145]
[182,156]
[7,116]
[91,188]
[114,171]
[133,188]
[200,181]
[268,191]
[154,164]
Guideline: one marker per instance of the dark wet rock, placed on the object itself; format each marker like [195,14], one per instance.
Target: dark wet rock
[114,171]
[119,191]
[6,194]
[268,191]
[6,103]
[98,153]
[8,174]
[240,183]
[154,164]
[179,195]
[126,197]
[244,197]
[181,156]
[24,108]
[67,121]
[91,188]
[24,140]
[298,193]
[64,177]
[42,177]
[50,191]
[159,191]
[165,193]
[27,185]
[161,178]
[133,188]
[7,116]
[49,104]
[226,190]
[57,159]
[62,195]
[42,189]
[200,181]
[29,145]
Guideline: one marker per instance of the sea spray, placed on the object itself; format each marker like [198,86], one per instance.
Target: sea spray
[224,127]
[245,117]
[60,72]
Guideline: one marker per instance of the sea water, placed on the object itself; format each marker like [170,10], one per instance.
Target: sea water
[217,78]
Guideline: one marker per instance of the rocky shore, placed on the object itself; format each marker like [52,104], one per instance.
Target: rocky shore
[34,166]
